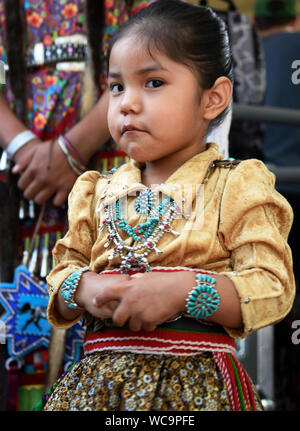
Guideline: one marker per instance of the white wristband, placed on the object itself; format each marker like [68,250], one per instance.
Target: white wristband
[18,142]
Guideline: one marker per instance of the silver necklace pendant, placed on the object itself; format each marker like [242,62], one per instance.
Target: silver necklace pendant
[135,257]
[134,261]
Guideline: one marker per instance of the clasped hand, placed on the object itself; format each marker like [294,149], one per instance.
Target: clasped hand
[142,300]
[44,172]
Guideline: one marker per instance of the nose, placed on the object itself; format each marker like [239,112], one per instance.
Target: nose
[131,101]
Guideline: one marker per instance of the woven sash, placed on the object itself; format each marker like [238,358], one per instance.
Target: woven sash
[165,339]
[185,336]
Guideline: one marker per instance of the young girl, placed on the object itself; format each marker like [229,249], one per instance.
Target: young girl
[177,252]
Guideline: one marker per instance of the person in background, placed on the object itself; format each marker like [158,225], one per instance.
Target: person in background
[278,26]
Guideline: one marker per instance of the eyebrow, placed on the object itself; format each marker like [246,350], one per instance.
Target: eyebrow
[142,71]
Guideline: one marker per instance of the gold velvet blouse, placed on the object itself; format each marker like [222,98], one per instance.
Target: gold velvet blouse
[236,224]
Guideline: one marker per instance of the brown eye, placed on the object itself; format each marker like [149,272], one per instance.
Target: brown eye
[154,83]
[116,88]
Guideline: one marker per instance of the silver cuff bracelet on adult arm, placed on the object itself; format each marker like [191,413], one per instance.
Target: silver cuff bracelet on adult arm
[18,142]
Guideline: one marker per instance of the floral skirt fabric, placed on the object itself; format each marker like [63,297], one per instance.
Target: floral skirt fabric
[136,382]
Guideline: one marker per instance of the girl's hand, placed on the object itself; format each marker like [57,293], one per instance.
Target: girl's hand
[147,300]
[91,284]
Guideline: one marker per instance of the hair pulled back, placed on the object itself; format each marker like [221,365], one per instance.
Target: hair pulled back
[189,34]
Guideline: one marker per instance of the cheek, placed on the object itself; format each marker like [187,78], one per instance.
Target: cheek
[112,120]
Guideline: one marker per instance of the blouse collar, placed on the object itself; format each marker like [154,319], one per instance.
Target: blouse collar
[127,179]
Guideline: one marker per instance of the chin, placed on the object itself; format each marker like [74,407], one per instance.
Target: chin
[134,152]
[139,159]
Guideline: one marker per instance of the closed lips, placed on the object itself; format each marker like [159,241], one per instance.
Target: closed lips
[131,129]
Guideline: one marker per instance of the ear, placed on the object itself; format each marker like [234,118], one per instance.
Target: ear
[217,98]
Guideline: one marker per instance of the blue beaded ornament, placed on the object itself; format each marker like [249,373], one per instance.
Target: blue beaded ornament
[144,206]
[203,300]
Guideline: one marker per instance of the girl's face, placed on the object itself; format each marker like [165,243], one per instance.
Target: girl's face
[155,111]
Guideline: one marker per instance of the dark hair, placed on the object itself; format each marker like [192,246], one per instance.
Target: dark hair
[188,34]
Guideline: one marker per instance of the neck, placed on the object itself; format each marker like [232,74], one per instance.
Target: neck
[277,29]
[157,172]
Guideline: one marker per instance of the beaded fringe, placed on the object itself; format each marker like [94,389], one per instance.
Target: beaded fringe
[237,381]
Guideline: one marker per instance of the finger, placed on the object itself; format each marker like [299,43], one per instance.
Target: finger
[60,198]
[25,179]
[121,315]
[149,327]
[17,169]
[112,305]
[135,324]
[106,295]
[104,312]
[21,165]
[43,196]
[34,189]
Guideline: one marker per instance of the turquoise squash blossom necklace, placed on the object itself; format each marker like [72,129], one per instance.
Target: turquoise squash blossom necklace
[146,234]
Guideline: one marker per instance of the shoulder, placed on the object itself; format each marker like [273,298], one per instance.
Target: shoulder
[89,184]
[248,183]
[248,172]
[90,179]
[249,186]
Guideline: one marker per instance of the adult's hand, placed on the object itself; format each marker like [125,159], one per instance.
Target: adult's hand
[45,173]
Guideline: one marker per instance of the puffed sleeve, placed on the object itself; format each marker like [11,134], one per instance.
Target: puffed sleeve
[74,250]
[255,221]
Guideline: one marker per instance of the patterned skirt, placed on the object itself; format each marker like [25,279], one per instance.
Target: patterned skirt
[117,381]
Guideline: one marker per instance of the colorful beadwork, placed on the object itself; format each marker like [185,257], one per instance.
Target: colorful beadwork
[144,230]
[69,286]
[203,300]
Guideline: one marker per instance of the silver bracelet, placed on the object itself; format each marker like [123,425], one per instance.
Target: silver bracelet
[18,142]
[77,167]
[2,72]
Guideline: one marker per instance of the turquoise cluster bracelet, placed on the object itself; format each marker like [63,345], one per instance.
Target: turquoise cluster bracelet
[203,300]
[69,286]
